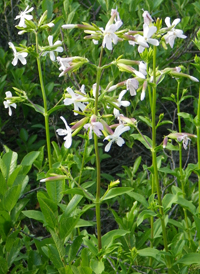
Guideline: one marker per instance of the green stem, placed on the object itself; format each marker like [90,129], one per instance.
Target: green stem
[180,159]
[198,143]
[83,161]
[46,116]
[98,166]
[155,176]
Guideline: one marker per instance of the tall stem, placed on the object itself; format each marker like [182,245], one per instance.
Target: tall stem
[180,159]
[46,116]
[155,175]
[98,166]
[198,142]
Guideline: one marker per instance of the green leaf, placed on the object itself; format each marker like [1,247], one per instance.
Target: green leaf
[72,205]
[197,222]
[189,259]
[140,198]
[168,200]
[97,266]
[5,224]
[147,142]
[67,225]
[146,120]
[137,164]
[187,204]
[55,190]
[84,270]
[110,236]
[156,3]
[47,5]
[49,209]
[149,252]
[144,215]
[10,162]
[74,248]
[29,159]
[116,191]
[3,265]
[54,256]
[34,214]
[10,197]
[186,115]
[55,109]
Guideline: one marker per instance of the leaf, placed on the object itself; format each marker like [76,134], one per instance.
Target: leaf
[146,120]
[3,265]
[156,3]
[49,209]
[114,192]
[55,190]
[74,248]
[197,222]
[54,256]
[29,159]
[144,215]
[72,205]
[186,115]
[67,225]
[47,5]
[10,197]
[55,108]
[97,266]
[149,252]
[110,236]
[189,259]
[5,224]
[168,200]
[140,198]
[137,164]
[187,204]
[10,162]
[147,142]
[34,214]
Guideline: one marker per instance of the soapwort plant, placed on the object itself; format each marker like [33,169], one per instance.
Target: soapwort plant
[102,117]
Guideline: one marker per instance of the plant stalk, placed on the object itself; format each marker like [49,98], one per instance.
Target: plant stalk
[180,159]
[155,175]
[46,116]
[198,143]
[98,166]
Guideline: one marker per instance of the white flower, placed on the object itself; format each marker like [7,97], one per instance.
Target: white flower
[23,15]
[147,17]
[143,68]
[7,103]
[132,85]
[58,49]
[115,137]
[65,132]
[94,126]
[173,33]
[94,86]
[115,13]
[143,41]
[18,55]
[76,100]
[120,103]
[184,137]
[110,36]
[64,64]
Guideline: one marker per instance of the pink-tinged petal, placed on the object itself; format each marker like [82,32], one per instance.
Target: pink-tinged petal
[175,22]
[65,122]
[120,141]
[167,22]
[116,112]
[6,105]
[59,49]
[50,39]
[142,96]
[107,42]
[141,49]
[141,41]
[139,74]
[8,94]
